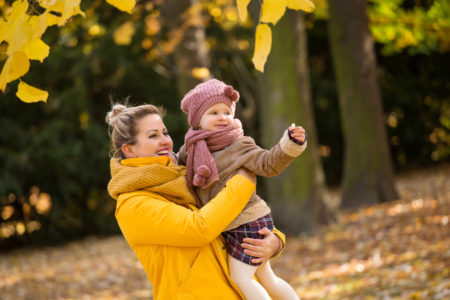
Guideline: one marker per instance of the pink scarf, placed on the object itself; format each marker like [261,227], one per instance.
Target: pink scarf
[201,169]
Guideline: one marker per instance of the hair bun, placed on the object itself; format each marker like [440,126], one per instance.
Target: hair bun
[111,117]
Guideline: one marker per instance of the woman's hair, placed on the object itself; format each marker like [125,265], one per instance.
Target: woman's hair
[123,120]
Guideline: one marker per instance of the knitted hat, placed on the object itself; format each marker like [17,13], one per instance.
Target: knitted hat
[206,94]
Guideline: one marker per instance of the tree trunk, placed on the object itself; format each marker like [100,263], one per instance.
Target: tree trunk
[191,52]
[297,195]
[368,173]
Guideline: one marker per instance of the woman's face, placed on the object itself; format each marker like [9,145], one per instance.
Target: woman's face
[152,140]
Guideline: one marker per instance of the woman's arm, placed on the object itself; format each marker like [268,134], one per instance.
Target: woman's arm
[145,220]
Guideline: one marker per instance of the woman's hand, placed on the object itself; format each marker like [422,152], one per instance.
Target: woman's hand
[262,249]
[248,174]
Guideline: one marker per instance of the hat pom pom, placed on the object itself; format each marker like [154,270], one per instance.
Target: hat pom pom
[203,171]
[235,96]
[228,91]
[200,176]
[198,180]
[231,93]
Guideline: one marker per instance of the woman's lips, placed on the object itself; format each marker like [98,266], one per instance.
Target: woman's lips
[163,152]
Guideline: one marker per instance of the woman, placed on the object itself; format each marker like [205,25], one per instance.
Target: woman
[179,245]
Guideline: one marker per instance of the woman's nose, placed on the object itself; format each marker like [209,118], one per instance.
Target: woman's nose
[166,139]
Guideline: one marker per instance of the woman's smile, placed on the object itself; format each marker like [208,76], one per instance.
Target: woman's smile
[163,152]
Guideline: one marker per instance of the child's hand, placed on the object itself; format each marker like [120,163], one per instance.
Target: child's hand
[297,134]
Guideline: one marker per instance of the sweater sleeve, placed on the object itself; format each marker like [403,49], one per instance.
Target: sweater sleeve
[271,162]
[145,220]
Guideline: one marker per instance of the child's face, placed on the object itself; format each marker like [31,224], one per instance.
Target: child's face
[216,117]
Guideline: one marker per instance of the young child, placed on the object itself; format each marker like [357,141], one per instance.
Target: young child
[215,148]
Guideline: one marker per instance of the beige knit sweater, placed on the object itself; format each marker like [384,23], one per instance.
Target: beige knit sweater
[243,152]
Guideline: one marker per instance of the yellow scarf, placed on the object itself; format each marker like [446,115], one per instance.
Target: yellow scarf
[155,174]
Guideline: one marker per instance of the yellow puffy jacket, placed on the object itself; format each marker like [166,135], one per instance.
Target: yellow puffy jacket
[179,246]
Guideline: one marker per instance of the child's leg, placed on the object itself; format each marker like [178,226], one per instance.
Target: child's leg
[275,286]
[242,275]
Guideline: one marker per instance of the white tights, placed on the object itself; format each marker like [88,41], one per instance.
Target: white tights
[243,275]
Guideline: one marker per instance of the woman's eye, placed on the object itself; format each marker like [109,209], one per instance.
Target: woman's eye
[152,136]
[166,133]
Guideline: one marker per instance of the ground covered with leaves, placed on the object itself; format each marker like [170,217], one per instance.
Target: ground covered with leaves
[396,250]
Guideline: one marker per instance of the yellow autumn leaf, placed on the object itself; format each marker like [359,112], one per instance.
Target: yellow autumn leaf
[263,43]
[39,24]
[17,29]
[305,5]
[30,94]
[36,49]
[67,9]
[242,9]
[15,66]
[124,34]
[123,5]
[3,31]
[17,13]
[71,8]
[272,10]
[22,34]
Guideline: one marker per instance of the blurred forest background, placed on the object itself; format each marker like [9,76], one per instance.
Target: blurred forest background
[370,83]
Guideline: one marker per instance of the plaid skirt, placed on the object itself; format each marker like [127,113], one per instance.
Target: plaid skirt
[235,236]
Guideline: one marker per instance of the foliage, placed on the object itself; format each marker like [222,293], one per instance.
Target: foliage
[26,21]
[415,107]
[271,12]
[22,28]
[415,26]
[419,29]
[57,153]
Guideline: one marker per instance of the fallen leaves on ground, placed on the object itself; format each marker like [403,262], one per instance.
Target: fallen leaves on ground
[395,250]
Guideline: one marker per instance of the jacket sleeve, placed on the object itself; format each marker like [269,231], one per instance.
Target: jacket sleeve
[144,220]
[282,239]
[271,162]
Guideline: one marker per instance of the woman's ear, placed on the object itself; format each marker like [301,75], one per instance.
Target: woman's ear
[127,150]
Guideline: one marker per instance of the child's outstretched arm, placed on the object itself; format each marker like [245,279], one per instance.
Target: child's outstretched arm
[270,162]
